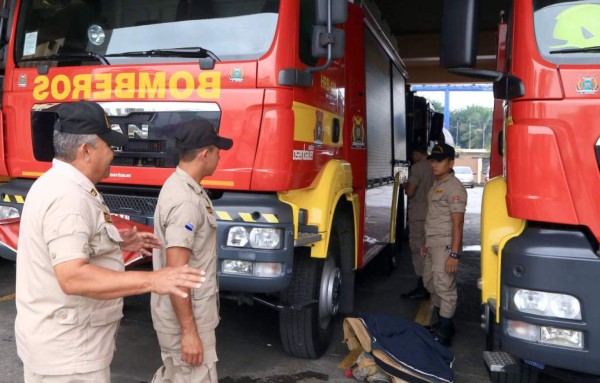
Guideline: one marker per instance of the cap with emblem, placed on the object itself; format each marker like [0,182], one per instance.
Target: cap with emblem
[199,133]
[86,117]
[441,152]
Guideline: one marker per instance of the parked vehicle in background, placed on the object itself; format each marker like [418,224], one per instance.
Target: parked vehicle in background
[465,175]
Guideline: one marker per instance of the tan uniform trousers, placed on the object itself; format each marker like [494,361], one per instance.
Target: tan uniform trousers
[174,370]
[440,284]
[416,239]
[100,376]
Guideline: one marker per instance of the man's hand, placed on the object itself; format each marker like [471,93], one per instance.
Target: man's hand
[139,241]
[423,251]
[192,351]
[451,265]
[169,280]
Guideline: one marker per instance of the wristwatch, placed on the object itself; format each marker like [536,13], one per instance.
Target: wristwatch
[455,255]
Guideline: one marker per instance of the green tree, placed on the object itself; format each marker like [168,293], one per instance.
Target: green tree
[471,127]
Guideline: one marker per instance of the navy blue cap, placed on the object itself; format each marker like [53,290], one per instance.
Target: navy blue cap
[441,152]
[199,133]
[86,117]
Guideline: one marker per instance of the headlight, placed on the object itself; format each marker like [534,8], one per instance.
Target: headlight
[546,304]
[237,236]
[7,212]
[544,334]
[265,238]
[256,269]
[257,237]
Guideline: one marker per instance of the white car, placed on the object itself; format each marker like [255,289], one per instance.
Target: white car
[465,175]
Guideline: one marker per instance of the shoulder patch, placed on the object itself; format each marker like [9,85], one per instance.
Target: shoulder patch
[107,218]
[456,199]
[189,226]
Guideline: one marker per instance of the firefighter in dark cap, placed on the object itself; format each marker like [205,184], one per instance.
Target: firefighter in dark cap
[447,200]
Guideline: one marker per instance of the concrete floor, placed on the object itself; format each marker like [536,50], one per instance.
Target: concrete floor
[248,337]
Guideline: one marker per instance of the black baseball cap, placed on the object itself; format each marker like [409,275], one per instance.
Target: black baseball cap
[441,152]
[87,117]
[199,133]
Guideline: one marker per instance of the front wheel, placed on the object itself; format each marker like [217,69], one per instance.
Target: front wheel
[306,330]
[320,288]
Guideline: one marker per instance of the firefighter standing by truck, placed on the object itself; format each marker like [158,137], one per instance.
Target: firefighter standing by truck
[416,188]
[447,200]
[187,226]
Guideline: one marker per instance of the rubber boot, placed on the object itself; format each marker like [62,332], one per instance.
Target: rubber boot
[444,332]
[420,292]
[435,320]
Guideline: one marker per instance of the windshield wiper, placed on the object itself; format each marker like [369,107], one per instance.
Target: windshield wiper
[191,52]
[577,50]
[69,57]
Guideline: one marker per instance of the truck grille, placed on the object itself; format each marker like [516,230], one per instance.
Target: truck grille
[127,203]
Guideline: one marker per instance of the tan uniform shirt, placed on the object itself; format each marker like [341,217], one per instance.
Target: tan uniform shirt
[184,218]
[64,218]
[422,176]
[445,197]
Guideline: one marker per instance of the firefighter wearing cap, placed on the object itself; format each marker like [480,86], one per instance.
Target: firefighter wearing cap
[70,273]
[447,200]
[186,224]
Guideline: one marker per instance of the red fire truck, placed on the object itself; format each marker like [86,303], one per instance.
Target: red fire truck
[540,229]
[309,192]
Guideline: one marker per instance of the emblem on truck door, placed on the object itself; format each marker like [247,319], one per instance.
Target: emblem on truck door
[587,85]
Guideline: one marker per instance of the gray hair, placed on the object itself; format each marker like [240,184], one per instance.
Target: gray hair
[66,144]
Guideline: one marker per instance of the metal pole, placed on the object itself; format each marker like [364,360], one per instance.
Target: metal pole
[483,136]
[456,143]
[469,135]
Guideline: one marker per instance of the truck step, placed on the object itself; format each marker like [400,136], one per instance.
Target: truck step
[499,361]
[306,238]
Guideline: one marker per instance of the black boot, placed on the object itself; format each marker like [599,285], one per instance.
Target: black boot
[434,322]
[420,292]
[444,332]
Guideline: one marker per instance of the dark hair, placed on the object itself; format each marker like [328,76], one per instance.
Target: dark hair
[188,155]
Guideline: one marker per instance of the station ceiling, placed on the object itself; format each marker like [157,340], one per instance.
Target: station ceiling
[417,26]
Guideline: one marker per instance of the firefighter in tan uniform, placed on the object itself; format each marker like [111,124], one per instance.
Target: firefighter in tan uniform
[186,224]
[70,273]
[416,188]
[447,200]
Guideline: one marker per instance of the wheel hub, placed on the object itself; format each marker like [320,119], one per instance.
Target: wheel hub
[331,282]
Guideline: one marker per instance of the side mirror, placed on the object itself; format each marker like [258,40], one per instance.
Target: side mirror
[459,33]
[339,12]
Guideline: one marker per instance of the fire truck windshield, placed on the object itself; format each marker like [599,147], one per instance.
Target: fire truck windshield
[80,32]
[568,32]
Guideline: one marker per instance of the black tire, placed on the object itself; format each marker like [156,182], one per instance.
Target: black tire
[307,332]
[386,261]
[401,219]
